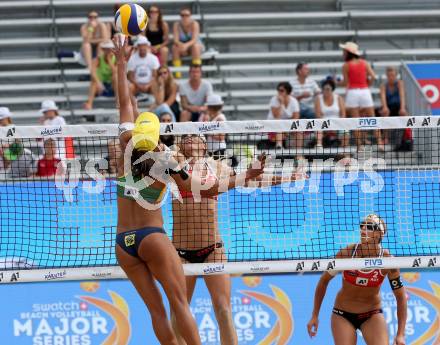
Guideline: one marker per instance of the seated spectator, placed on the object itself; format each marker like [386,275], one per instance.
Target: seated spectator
[164,90]
[93,33]
[167,140]
[103,76]
[114,153]
[330,105]
[158,34]
[392,98]
[51,117]
[21,161]
[216,143]
[282,107]
[186,33]
[142,67]
[5,117]
[193,94]
[392,95]
[47,166]
[304,89]
[5,120]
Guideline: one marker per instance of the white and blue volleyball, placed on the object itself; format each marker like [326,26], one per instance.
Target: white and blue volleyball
[131,19]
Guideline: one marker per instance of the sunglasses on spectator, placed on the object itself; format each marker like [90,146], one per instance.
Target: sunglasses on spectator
[154,11]
[371,226]
[185,14]
[93,16]
[281,90]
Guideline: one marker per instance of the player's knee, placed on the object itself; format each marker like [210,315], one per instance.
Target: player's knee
[177,299]
[221,306]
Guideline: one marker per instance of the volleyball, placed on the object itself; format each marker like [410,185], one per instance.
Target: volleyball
[131,19]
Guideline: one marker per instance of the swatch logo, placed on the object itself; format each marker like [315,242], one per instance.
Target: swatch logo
[118,310]
[282,331]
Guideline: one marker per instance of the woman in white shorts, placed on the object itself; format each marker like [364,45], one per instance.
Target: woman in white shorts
[358,76]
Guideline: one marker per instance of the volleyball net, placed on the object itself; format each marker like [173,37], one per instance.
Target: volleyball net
[61,225]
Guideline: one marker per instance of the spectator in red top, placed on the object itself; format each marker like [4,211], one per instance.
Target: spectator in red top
[47,166]
[358,77]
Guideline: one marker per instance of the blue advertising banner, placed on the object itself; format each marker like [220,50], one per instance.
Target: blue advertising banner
[428,76]
[267,310]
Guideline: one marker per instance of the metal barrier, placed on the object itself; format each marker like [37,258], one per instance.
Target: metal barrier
[425,142]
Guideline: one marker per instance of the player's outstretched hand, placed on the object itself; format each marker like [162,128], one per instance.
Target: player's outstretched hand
[120,50]
[256,168]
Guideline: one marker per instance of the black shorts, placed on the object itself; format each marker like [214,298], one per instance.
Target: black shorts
[356,319]
[198,256]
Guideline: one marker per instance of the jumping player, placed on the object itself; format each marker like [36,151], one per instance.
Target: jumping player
[143,250]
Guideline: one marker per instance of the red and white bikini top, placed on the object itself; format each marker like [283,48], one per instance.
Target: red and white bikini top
[210,177]
[364,278]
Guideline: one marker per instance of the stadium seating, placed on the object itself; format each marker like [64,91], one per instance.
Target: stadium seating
[255,50]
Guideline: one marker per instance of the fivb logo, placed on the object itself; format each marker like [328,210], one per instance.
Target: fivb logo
[367,123]
[368,263]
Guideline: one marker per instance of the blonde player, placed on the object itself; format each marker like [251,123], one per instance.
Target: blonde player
[196,234]
[358,303]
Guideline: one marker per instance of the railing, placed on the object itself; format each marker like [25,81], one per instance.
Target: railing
[417,104]
[60,65]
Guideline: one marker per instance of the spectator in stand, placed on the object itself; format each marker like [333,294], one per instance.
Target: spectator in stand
[216,144]
[51,117]
[392,95]
[103,76]
[167,140]
[283,107]
[194,93]
[5,120]
[158,34]
[164,89]
[47,166]
[330,105]
[304,89]
[5,117]
[393,101]
[142,67]
[21,161]
[186,33]
[358,76]
[93,33]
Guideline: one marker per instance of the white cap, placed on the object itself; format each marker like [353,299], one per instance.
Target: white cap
[142,40]
[48,105]
[5,113]
[107,45]
[214,100]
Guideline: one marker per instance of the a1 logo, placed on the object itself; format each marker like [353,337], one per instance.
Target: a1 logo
[362,281]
